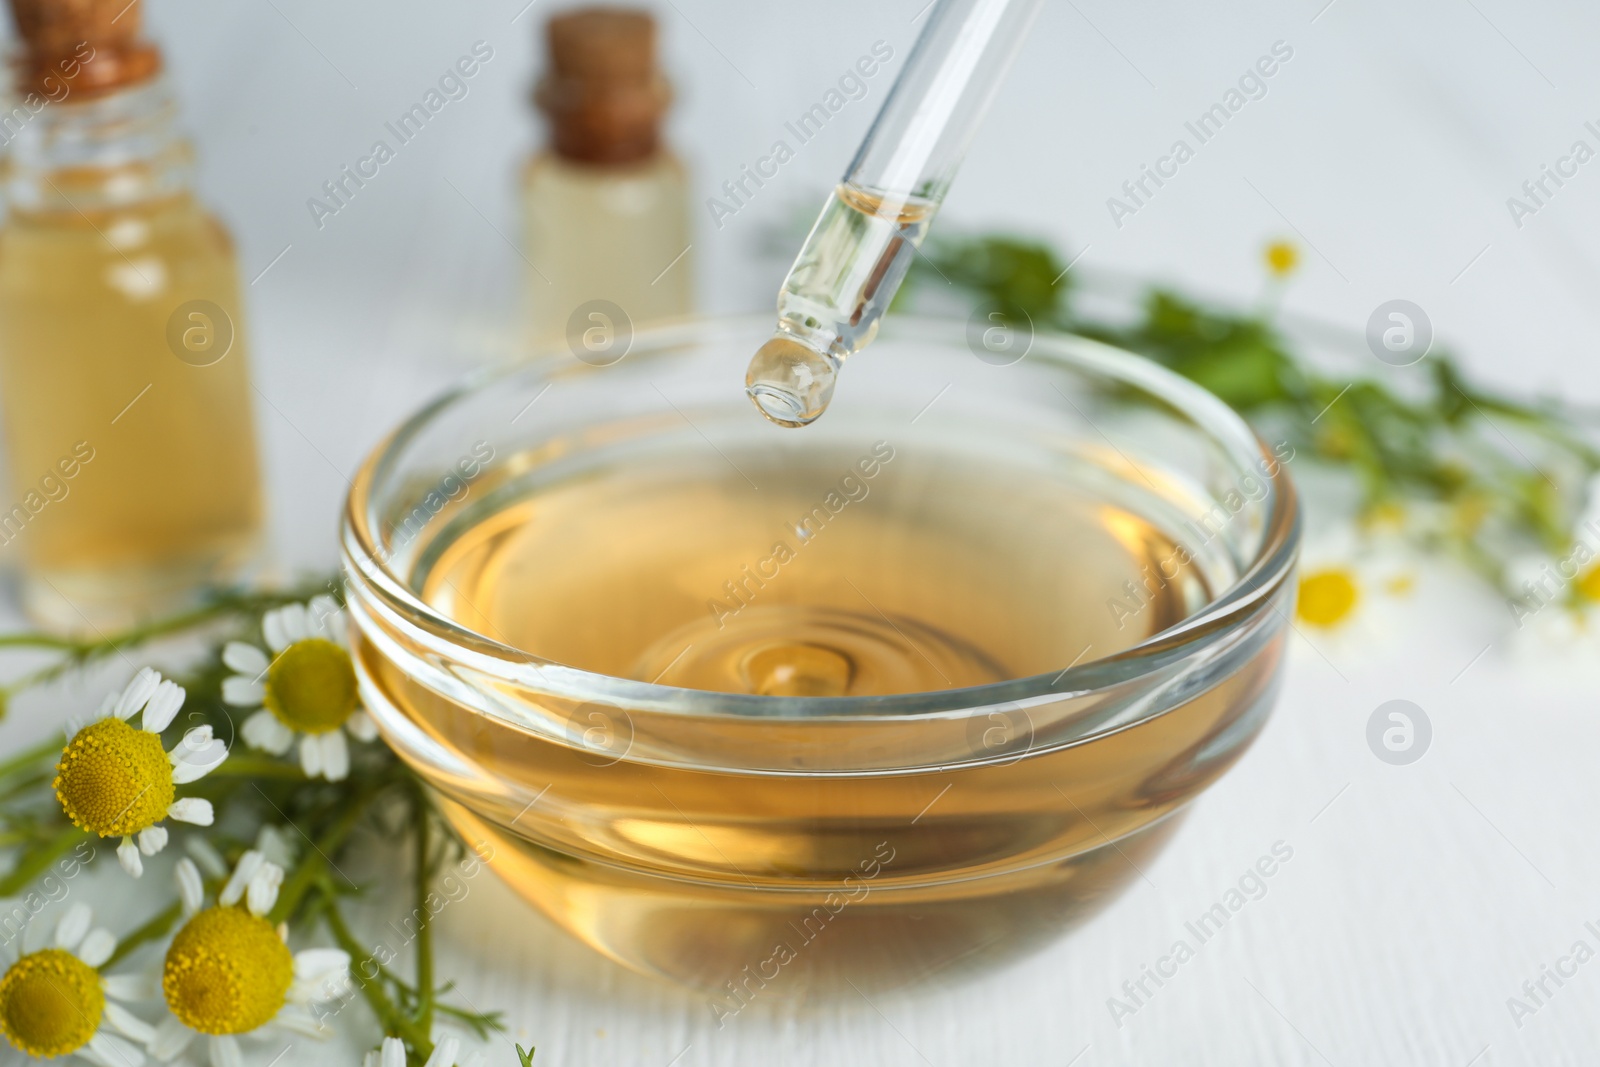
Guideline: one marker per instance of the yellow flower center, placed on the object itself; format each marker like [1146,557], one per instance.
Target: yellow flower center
[50,1003]
[1328,597]
[227,972]
[1588,584]
[114,780]
[1282,258]
[311,686]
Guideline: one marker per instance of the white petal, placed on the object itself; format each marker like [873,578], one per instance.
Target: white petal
[275,843]
[249,864]
[263,891]
[224,1049]
[97,947]
[285,626]
[129,1025]
[128,855]
[263,730]
[196,738]
[136,693]
[164,704]
[300,1021]
[88,1054]
[335,756]
[247,659]
[192,810]
[73,925]
[296,622]
[152,839]
[272,630]
[315,964]
[206,855]
[361,726]
[311,756]
[194,761]
[372,1059]
[394,1052]
[115,1051]
[131,987]
[108,708]
[172,1038]
[444,1053]
[322,611]
[191,888]
[243,692]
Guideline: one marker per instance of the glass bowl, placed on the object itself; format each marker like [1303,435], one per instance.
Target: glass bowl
[771,845]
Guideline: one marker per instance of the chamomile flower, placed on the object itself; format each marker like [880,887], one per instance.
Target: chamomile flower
[1347,584]
[1564,634]
[305,688]
[445,1054]
[1560,595]
[229,972]
[1557,617]
[1586,586]
[1282,257]
[55,1002]
[1329,596]
[116,780]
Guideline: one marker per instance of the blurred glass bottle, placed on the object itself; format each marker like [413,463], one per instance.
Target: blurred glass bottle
[606,205]
[123,376]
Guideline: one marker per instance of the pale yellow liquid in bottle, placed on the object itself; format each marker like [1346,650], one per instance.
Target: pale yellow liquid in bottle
[671,566]
[617,233]
[170,494]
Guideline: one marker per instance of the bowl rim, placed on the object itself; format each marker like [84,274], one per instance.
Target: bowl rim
[1250,594]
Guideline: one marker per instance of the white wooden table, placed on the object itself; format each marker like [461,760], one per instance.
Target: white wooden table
[1418,898]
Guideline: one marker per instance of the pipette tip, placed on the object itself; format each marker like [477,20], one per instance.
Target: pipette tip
[790,383]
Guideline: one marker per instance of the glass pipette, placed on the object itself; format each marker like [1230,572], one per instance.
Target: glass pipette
[862,244]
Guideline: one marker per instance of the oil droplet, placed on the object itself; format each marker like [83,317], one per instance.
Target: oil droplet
[790,383]
[798,670]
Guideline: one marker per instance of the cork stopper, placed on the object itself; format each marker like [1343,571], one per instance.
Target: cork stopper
[81,48]
[603,93]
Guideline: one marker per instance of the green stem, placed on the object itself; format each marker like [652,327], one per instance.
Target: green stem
[419,817]
[30,639]
[256,767]
[78,651]
[371,988]
[471,1018]
[156,927]
[134,635]
[315,865]
[35,862]
[25,785]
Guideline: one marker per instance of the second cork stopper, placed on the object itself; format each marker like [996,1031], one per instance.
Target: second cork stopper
[603,93]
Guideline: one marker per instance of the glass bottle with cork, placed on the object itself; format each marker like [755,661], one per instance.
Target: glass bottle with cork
[124,384]
[605,204]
